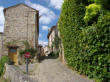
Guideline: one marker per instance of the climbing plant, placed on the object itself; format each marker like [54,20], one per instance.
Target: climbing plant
[55,44]
[92,12]
[86,46]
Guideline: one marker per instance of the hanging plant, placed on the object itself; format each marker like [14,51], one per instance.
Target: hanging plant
[12,43]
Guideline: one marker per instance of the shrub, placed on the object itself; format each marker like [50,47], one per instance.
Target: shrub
[31,50]
[28,48]
[3,60]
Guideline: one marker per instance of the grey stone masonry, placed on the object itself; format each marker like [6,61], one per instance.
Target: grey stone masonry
[21,23]
[14,74]
[51,70]
[1,43]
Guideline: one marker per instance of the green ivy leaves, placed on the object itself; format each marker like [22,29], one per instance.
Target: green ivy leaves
[91,11]
[86,46]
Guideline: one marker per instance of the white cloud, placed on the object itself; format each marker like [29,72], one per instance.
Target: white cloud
[44,43]
[56,3]
[45,27]
[46,14]
[40,35]
[2,19]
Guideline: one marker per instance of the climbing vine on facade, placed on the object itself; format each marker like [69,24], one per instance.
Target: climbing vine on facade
[85,33]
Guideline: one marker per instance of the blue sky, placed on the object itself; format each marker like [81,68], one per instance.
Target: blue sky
[48,9]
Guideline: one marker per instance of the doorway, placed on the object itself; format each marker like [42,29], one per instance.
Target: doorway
[12,53]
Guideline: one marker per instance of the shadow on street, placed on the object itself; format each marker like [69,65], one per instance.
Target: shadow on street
[50,56]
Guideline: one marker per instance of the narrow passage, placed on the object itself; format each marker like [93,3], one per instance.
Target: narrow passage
[52,70]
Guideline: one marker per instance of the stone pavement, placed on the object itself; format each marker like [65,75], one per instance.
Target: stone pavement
[51,70]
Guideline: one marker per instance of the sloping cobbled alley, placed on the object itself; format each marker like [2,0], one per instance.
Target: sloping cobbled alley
[52,70]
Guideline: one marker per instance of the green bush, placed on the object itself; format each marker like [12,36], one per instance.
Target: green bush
[104,3]
[91,12]
[95,49]
[56,53]
[86,48]
[3,60]
[28,48]
[31,50]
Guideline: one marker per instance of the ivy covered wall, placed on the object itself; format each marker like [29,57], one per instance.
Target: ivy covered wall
[85,33]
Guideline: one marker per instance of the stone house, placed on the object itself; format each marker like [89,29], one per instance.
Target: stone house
[41,50]
[46,50]
[53,32]
[41,54]
[21,24]
[51,36]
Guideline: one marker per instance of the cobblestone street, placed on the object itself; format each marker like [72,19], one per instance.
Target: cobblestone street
[51,70]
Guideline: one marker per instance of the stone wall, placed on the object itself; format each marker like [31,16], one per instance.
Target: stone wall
[46,50]
[1,42]
[61,53]
[20,25]
[13,74]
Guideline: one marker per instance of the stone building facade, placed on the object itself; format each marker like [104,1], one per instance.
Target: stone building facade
[41,50]
[1,43]
[41,54]
[46,50]
[21,24]
[53,32]
[51,36]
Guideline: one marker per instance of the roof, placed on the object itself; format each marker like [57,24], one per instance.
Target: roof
[18,5]
[50,31]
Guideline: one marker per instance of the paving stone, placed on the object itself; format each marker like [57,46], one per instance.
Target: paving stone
[51,70]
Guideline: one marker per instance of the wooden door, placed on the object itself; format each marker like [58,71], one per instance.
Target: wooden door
[13,55]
